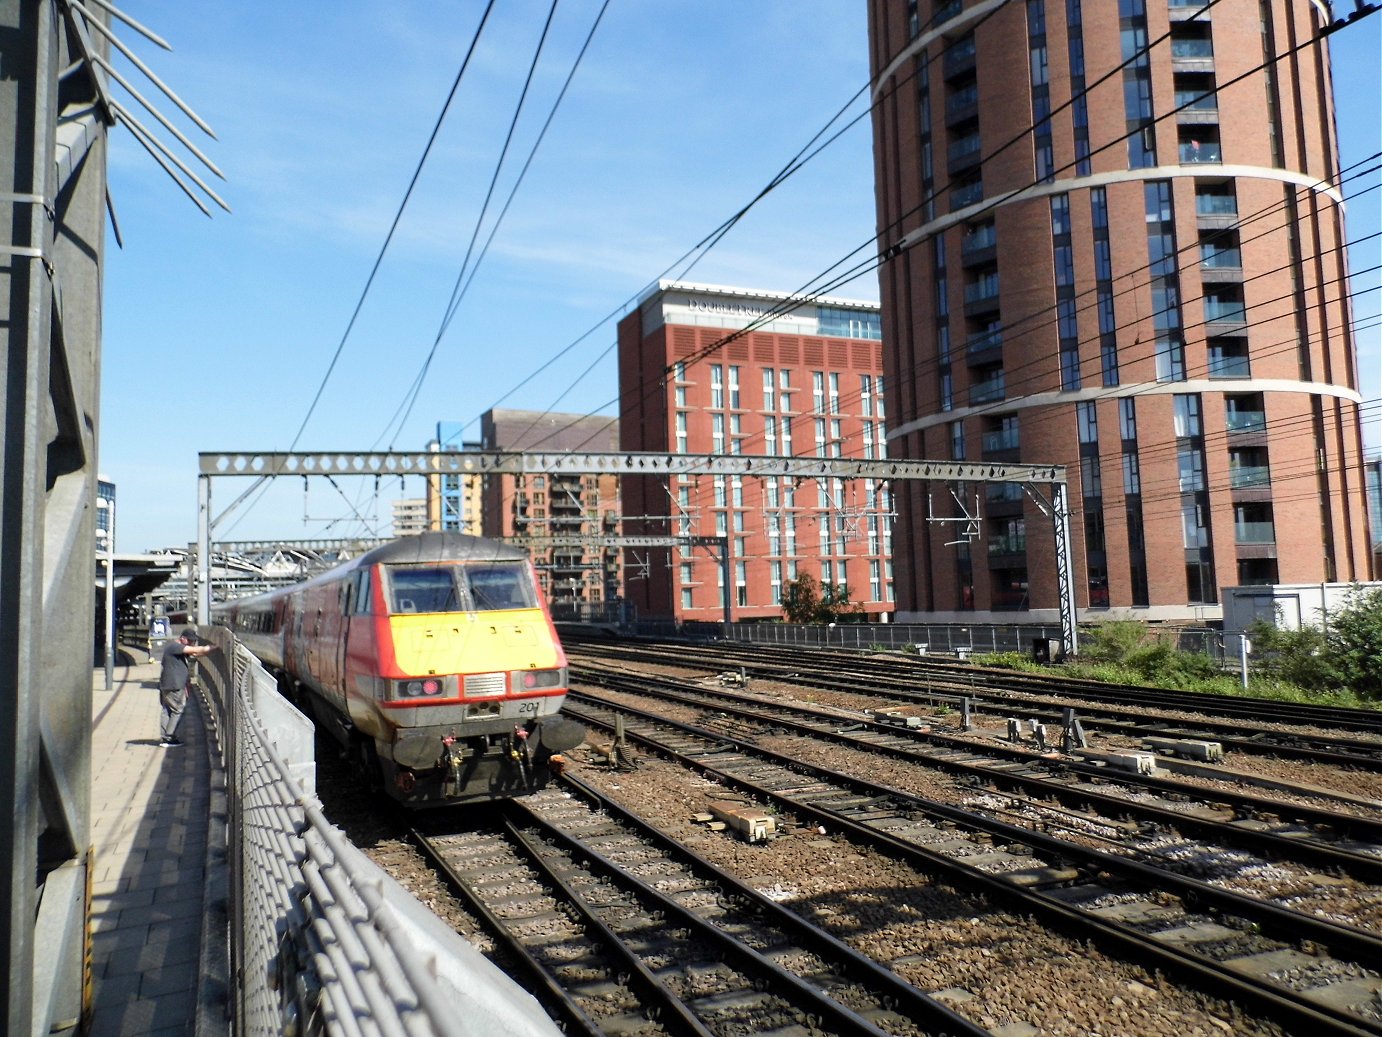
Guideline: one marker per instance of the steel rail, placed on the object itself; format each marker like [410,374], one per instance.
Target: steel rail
[1362,866]
[1280,1003]
[572,1016]
[924,1009]
[1286,745]
[782,982]
[1061,684]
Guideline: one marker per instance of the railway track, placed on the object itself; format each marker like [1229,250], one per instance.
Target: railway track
[625,931]
[1351,738]
[1056,792]
[1309,974]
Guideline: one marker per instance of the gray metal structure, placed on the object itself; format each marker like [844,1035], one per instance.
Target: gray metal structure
[266,466]
[56,108]
[53,121]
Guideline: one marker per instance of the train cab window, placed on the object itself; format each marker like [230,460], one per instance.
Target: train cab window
[499,587]
[424,590]
[363,590]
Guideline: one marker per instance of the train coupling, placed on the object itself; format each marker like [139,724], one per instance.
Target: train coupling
[452,756]
[519,745]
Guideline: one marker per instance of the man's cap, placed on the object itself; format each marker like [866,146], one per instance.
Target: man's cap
[189,632]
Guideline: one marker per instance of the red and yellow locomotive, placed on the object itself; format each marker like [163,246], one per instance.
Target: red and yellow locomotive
[433,659]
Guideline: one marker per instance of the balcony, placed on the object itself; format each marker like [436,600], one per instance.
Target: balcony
[1001,440]
[1224,311]
[1246,421]
[1196,108]
[1007,544]
[959,58]
[966,194]
[962,105]
[1229,365]
[988,390]
[1184,10]
[1220,265]
[1249,477]
[1254,533]
[1192,54]
[964,154]
[1194,152]
[985,349]
[979,246]
[982,296]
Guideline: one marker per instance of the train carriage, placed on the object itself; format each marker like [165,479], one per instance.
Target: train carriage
[433,659]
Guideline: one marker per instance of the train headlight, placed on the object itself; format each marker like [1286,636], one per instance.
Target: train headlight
[421,688]
[537,680]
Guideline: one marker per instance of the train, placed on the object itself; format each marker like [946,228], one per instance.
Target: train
[432,660]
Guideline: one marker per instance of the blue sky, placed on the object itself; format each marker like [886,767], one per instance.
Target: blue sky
[219,332]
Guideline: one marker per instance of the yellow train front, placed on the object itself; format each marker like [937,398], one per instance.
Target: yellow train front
[433,659]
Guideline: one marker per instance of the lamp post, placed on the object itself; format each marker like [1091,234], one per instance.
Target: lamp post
[108,506]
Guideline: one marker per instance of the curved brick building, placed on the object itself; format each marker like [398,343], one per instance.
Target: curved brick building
[1152,297]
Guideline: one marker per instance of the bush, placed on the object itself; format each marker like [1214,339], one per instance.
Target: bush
[1348,656]
[1355,643]
[1138,654]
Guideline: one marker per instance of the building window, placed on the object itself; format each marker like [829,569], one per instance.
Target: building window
[1132,475]
[1087,418]
[1127,418]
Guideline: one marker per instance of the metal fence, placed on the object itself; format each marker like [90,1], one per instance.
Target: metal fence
[951,639]
[321,941]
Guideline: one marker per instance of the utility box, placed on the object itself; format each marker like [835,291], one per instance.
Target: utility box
[755,825]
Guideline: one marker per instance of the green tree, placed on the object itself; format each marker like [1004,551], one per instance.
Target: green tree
[1347,655]
[801,599]
[806,600]
[1354,641]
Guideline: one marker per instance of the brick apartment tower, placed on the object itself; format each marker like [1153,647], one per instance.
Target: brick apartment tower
[572,510]
[1155,300]
[804,382]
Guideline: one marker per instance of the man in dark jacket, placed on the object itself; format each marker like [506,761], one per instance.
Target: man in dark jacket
[174,682]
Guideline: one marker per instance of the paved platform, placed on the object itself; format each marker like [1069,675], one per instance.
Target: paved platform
[151,828]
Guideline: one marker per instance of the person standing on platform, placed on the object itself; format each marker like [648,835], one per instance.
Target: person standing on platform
[174,682]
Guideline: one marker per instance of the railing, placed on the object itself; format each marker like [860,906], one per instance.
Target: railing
[1194,151]
[1231,310]
[321,940]
[1254,533]
[1220,259]
[1003,491]
[1003,439]
[895,637]
[989,390]
[1194,50]
[982,291]
[1247,421]
[966,194]
[1008,544]
[985,342]
[962,100]
[1229,365]
[1196,101]
[964,148]
[1216,205]
[1249,477]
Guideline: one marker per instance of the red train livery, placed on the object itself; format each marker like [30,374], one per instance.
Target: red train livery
[433,659]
